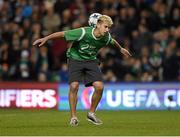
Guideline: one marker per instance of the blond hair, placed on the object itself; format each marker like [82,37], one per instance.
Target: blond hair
[105,18]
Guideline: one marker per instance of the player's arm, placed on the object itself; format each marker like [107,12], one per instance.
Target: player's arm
[40,42]
[121,49]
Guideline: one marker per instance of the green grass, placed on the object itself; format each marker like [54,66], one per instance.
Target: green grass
[119,123]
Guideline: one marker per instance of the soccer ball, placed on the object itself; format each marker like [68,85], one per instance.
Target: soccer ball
[93,18]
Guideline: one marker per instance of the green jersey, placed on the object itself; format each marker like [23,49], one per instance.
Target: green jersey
[85,45]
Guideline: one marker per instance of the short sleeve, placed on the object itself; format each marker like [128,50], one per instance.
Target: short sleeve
[110,40]
[74,35]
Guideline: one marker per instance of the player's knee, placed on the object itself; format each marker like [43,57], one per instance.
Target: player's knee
[74,86]
[99,86]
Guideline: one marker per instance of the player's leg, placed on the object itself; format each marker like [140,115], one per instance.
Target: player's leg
[73,90]
[75,76]
[73,98]
[96,97]
[93,77]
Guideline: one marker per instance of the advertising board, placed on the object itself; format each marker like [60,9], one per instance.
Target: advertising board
[28,95]
[127,96]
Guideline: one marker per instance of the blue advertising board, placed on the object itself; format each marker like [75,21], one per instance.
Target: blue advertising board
[126,96]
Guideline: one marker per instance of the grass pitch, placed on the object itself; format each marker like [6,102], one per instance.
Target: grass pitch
[116,123]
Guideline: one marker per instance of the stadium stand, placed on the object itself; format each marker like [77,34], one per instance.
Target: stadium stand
[150,29]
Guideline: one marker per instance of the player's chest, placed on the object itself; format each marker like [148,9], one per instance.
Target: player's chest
[94,43]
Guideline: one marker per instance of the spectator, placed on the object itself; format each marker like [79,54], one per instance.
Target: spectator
[51,21]
[150,29]
[63,73]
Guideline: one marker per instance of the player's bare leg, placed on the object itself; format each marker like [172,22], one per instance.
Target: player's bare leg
[96,97]
[74,86]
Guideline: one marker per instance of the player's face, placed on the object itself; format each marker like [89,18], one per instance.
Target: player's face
[103,28]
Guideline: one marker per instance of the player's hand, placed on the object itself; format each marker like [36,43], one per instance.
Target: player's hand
[125,52]
[40,42]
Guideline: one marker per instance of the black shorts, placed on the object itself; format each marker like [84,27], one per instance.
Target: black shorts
[84,71]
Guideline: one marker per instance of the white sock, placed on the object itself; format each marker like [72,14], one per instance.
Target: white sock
[91,113]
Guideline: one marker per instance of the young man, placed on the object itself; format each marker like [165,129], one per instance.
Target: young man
[82,62]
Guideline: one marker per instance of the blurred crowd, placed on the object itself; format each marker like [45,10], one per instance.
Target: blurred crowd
[150,29]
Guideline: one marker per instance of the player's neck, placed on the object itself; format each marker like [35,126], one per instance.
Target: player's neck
[97,33]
